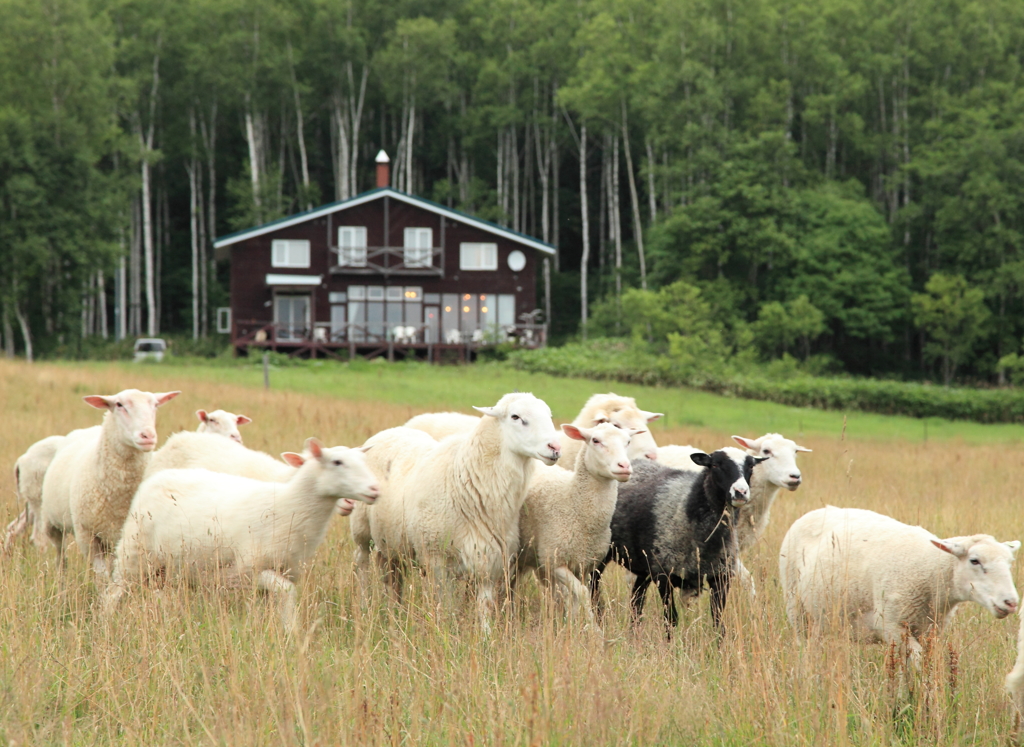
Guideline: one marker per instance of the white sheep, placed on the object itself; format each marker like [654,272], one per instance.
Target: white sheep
[888,579]
[194,524]
[454,505]
[678,457]
[221,423]
[1015,681]
[194,450]
[29,470]
[191,450]
[92,478]
[565,522]
[440,425]
[621,412]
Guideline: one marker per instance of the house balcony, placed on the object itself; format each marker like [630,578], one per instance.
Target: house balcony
[385,261]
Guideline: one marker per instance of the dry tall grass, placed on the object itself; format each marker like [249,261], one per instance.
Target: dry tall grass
[197,667]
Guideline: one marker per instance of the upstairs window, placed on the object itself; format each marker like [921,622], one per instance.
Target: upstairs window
[419,244]
[352,246]
[478,256]
[290,253]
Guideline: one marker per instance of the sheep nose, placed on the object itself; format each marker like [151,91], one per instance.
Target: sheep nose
[652,455]
[374,490]
[625,466]
[1010,604]
[795,477]
[556,449]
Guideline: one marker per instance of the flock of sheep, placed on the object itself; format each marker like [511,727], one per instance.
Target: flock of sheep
[477,501]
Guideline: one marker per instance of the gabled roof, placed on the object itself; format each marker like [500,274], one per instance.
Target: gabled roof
[374,194]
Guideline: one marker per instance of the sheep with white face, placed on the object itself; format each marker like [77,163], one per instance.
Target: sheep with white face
[886,579]
[221,423]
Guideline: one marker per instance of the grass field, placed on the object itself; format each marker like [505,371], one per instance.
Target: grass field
[198,667]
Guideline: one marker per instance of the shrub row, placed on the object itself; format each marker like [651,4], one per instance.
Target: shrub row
[621,361]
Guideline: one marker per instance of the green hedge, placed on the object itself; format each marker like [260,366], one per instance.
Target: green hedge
[621,361]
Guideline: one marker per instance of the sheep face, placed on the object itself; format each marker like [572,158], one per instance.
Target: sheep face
[221,423]
[642,444]
[344,472]
[730,469]
[780,470]
[134,415]
[983,571]
[607,452]
[526,426]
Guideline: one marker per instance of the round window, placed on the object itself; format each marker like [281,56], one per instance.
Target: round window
[516,261]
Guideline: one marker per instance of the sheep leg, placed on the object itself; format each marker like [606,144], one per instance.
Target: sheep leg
[16,527]
[485,604]
[666,590]
[58,539]
[638,595]
[573,592]
[98,558]
[719,584]
[275,583]
[594,581]
[745,578]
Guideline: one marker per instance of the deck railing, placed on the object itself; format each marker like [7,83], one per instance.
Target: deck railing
[261,333]
[389,260]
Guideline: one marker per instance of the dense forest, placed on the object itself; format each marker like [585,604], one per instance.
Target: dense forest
[838,181]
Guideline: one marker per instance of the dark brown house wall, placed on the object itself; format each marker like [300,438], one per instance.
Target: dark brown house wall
[251,259]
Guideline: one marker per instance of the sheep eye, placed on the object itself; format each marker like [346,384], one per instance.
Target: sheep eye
[515,417]
[120,405]
[767,452]
[595,441]
[337,463]
[975,561]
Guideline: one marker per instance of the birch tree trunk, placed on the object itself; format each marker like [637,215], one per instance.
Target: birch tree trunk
[192,168]
[122,295]
[146,145]
[101,302]
[637,227]
[209,262]
[652,202]
[616,222]
[585,259]
[299,132]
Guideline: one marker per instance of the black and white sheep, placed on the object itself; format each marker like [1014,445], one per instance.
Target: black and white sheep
[677,528]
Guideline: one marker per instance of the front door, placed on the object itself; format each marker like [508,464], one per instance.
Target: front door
[291,314]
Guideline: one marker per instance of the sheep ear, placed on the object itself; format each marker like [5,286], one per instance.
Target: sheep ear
[365,449]
[758,460]
[98,401]
[202,415]
[293,459]
[163,399]
[315,448]
[601,417]
[701,459]
[487,411]
[804,449]
[651,416]
[1014,546]
[575,432]
[243,420]
[953,548]
[746,443]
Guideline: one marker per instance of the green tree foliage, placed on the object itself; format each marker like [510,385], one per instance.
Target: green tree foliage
[953,314]
[804,168]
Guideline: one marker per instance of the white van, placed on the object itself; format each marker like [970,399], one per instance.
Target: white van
[150,349]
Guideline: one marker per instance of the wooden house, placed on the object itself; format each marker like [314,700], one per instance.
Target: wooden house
[384,272]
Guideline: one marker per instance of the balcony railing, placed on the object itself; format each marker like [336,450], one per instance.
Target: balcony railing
[331,335]
[390,260]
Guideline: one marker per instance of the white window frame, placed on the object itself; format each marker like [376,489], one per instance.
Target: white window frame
[223,319]
[419,247]
[289,253]
[474,256]
[352,246]
[357,293]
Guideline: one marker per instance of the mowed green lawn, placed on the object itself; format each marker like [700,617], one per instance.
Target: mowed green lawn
[426,388]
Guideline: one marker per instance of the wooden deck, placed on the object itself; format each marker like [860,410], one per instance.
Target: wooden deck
[319,340]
